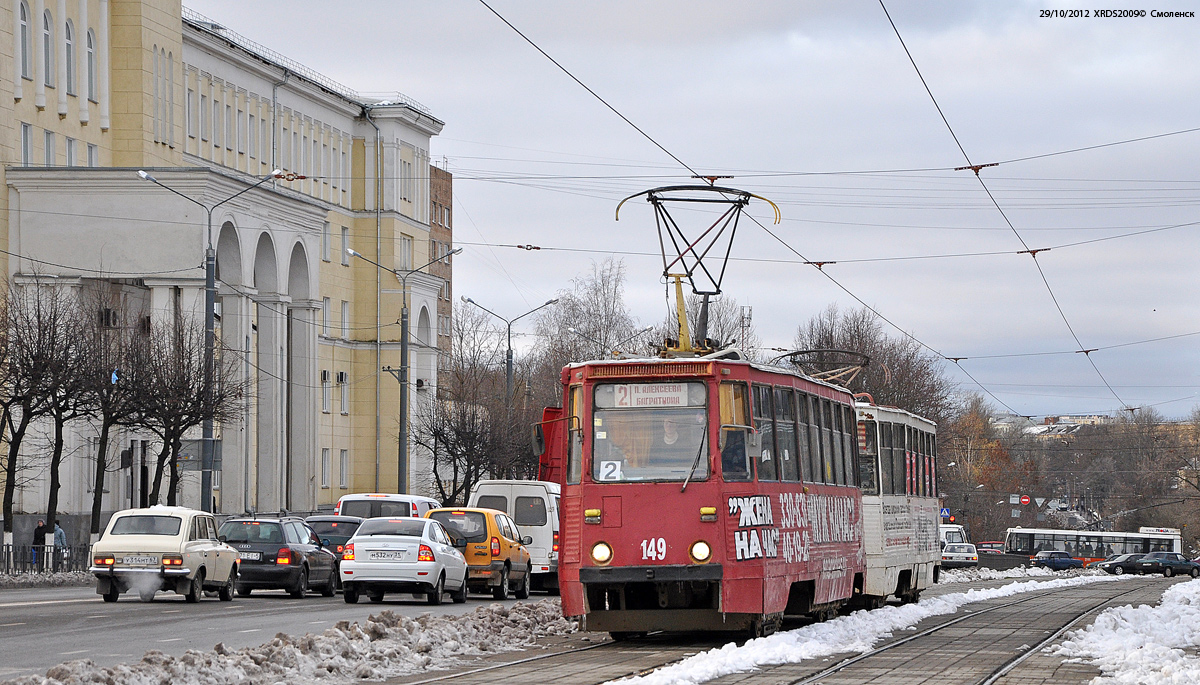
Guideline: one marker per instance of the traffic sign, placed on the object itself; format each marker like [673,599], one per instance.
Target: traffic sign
[945,512]
[1024,499]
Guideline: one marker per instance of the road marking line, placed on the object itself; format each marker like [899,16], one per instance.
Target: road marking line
[47,601]
[313,623]
[9,625]
[78,651]
[171,639]
[173,611]
[252,630]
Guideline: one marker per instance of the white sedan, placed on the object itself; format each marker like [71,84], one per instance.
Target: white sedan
[402,555]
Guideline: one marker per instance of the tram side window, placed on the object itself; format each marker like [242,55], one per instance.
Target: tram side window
[827,474]
[802,438]
[899,449]
[919,462]
[575,430]
[886,485]
[835,424]
[868,457]
[768,465]
[849,425]
[735,462]
[933,468]
[816,452]
[785,435]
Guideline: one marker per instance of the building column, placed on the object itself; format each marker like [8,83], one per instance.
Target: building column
[36,36]
[102,64]
[269,394]
[235,436]
[81,70]
[303,399]
[60,36]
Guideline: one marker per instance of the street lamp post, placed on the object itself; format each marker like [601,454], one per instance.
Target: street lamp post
[508,358]
[402,451]
[210,301]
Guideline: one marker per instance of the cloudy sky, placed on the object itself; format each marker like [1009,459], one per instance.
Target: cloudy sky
[817,107]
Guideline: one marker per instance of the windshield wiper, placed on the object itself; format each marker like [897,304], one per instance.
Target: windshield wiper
[692,471]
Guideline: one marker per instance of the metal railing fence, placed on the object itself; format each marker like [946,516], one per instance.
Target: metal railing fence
[18,559]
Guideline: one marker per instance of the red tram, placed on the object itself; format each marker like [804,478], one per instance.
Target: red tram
[703,494]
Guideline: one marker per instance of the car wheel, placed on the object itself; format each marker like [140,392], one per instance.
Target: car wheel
[244,591]
[501,590]
[460,596]
[301,587]
[523,591]
[350,594]
[1120,570]
[112,594]
[435,595]
[1168,572]
[329,588]
[225,594]
[1195,573]
[197,588]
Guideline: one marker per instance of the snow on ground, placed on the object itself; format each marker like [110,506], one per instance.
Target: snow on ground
[968,575]
[385,645]
[1148,645]
[858,632]
[70,578]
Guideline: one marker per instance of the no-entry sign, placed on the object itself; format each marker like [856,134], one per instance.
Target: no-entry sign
[1024,499]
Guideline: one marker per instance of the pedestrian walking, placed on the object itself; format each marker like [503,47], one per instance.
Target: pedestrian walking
[38,545]
[61,551]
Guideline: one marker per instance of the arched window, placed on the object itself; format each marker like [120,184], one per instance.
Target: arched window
[91,65]
[48,47]
[69,35]
[26,51]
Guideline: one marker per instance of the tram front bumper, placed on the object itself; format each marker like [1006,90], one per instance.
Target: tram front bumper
[638,598]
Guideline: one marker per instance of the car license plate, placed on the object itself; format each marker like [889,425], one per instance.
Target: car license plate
[385,555]
[250,556]
[139,561]
[481,571]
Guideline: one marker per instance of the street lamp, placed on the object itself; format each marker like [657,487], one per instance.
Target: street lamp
[508,359]
[402,451]
[210,300]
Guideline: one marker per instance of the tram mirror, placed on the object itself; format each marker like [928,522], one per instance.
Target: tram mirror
[539,440]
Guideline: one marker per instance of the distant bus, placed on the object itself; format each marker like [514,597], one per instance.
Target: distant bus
[1090,545]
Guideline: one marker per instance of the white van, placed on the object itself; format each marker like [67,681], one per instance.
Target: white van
[533,506]
[373,504]
[951,534]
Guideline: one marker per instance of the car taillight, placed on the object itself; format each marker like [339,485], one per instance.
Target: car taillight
[104,561]
[172,560]
[348,552]
[555,547]
[284,557]
[424,553]
[495,547]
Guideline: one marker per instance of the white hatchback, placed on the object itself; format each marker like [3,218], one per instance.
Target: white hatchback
[402,555]
[163,548]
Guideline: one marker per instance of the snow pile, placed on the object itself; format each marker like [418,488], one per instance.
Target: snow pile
[858,632]
[968,575]
[67,579]
[1144,644]
[385,645]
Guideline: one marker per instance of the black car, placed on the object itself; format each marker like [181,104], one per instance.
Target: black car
[334,531]
[1118,564]
[1168,564]
[280,554]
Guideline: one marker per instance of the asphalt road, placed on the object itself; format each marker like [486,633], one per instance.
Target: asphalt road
[40,628]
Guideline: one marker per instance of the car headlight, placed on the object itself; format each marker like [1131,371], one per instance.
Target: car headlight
[700,551]
[602,553]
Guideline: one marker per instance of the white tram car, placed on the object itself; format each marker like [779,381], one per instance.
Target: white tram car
[897,469]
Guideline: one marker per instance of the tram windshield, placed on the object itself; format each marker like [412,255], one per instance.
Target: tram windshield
[650,431]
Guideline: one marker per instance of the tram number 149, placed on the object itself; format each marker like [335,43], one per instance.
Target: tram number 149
[654,548]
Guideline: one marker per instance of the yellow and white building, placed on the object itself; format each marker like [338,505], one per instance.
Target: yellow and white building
[91,91]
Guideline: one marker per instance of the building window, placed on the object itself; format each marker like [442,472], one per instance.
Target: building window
[26,52]
[72,152]
[251,133]
[190,116]
[326,393]
[345,246]
[93,155]
[241,132]
[325,316]
[325,467]
[344,469]
[69,35]
[325,239]
[48,48]
[203,117]
[405,253]
[26,145]
[91,65]
[49,149]
[344,392]
[345,319]
[263,138]
[229,133]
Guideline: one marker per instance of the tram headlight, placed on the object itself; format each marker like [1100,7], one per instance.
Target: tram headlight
[602,553]
[700,552]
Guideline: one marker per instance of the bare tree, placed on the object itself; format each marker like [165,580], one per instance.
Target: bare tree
[901,373]
[725,325]
[169,381]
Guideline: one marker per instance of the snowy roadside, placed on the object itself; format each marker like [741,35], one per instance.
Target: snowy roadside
[858,632]
[970,575]
[1148,645]
[34,580]
[385,645]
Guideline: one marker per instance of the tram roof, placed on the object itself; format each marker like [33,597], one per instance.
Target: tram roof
[859,404]
[692,360]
